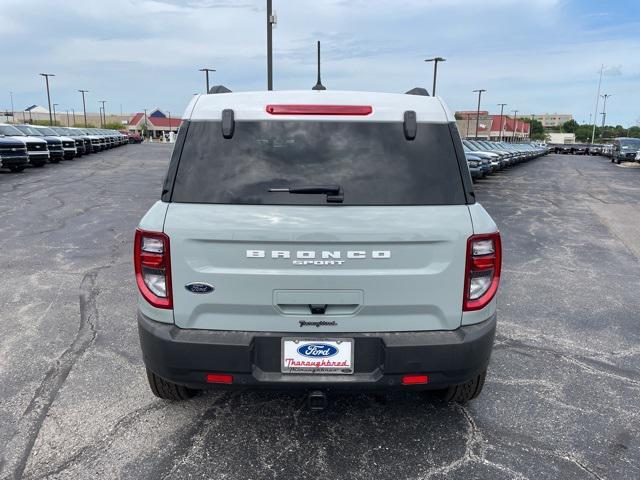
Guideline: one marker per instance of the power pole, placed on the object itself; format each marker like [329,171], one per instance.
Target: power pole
[478,111]
[501,105]
[46,77]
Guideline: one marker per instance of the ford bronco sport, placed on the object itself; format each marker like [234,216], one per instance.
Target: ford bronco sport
[317,240]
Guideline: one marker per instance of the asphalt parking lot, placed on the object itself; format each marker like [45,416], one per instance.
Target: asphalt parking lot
[561,400]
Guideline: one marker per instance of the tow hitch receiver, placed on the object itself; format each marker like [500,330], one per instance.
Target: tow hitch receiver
[317,400]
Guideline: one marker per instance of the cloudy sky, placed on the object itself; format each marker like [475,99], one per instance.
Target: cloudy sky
[536,55]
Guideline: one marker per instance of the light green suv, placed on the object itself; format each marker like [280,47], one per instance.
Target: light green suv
[317,240]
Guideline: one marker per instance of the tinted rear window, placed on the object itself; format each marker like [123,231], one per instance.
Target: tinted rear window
[372,162]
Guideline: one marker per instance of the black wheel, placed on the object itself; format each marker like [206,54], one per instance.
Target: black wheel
[617,161]
[55,160]
[465,391]
[166,390]
[16,169]
[38,165]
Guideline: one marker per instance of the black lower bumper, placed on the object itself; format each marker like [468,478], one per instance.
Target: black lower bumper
[253,358]
[16,161]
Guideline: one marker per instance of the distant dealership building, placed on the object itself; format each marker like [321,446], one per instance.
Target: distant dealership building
[157,123]
[489,128]
[551,120]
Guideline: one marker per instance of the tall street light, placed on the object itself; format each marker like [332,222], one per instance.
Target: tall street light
[46,77]
[12,117]
[435,61]
[479,91]
[104,113]
[501,105]
[55,119]
[515,123]
[595,114]
[271,21]
[84,106]
[604,108]
[206,71]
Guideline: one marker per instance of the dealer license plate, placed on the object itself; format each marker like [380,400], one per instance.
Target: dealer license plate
[319,356]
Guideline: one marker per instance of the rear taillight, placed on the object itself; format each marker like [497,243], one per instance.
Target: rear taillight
[484,259]
[153,267]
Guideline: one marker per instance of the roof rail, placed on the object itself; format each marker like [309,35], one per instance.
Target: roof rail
[219,89]
[418,91]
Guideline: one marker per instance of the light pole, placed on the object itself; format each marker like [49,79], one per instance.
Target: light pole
[104,113]
[12,117]
[479,91]
[604,108]
[595,115]
[55,120]
[515,123]
[271,21]
[73,111]
[206,71]
[146,129]
[67,118]
[435,61]
[318,85]
[46,78]
[501,105]
[84,106]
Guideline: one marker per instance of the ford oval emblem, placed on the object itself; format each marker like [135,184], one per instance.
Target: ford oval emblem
[317,350]
[198,287]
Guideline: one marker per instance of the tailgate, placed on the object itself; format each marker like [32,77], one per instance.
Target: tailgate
[318,268]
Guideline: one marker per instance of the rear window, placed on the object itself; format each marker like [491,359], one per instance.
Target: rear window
[372,162]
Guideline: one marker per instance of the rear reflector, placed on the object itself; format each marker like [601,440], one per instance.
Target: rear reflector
[415,379]
[319,109]
[219,378]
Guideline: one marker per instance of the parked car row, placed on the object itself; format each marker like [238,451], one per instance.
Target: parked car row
[485,157]
[35,145]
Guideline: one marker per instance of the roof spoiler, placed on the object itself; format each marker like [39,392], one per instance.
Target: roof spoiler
[418,91]
[219,89]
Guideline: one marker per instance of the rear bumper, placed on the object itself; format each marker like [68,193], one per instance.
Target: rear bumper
[253,358]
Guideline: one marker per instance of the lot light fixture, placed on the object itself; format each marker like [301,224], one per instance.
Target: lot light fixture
[604,108]
[502,105]
[206,72]
[479,91]
[46,78]
[435,61]
[84,106]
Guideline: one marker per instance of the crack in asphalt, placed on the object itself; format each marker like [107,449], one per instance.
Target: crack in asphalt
[28,428]
[595,366]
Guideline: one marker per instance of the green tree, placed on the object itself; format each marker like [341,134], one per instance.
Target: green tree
[536,130]
[570,126]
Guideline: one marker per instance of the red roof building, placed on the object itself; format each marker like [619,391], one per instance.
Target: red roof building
[156,122]
[488,126]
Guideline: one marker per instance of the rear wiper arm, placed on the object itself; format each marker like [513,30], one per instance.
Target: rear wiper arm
[334,192]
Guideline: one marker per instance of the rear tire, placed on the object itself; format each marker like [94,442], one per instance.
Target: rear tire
[467,391]
[167,390]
